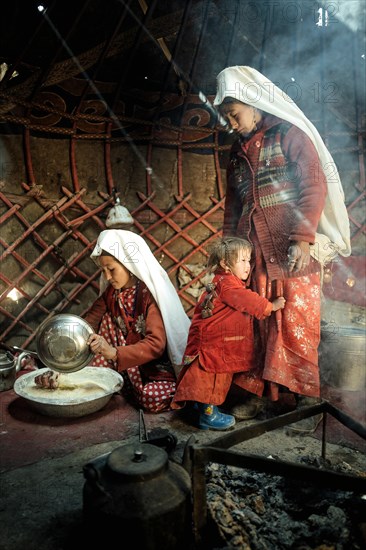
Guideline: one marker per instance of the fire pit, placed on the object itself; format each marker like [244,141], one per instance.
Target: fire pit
[254,510]
[271,498]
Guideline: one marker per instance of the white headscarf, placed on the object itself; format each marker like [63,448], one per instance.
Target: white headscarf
[251,87]
[133,252]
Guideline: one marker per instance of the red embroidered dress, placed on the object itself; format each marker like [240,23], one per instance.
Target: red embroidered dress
[130,321]
[276,192]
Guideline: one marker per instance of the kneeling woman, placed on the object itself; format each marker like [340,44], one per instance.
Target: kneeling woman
[140,325]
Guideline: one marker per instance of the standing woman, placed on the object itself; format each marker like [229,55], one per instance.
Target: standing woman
[283,195]
[140,325]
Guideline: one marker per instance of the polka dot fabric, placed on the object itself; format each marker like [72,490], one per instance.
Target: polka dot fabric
[114,337]
[154,395]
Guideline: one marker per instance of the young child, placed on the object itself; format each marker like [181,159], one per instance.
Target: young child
[221,337]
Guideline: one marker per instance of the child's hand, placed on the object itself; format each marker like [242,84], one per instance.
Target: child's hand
[278,303]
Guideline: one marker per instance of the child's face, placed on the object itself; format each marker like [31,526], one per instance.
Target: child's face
[241,268]
[115,272]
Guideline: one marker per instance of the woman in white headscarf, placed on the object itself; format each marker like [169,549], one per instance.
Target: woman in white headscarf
[283,195]
[140,325]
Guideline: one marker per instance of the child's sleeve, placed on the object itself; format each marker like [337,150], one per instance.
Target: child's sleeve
[245,300]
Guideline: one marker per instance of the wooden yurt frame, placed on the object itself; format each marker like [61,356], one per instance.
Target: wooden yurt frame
[51,277]
[71,213]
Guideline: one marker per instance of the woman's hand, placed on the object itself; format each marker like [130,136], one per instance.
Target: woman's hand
[100,346]
[298,255]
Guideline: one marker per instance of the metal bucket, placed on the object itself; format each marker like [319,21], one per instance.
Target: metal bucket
[342,314]
[342,357]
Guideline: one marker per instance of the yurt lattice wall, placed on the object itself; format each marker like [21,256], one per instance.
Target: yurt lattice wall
[170,178]
[72,141]
[50,224]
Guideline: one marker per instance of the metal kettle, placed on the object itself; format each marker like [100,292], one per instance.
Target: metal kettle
[135,492]
[8,365]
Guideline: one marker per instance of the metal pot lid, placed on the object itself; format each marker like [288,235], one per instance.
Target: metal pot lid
[61,343]
[134,461]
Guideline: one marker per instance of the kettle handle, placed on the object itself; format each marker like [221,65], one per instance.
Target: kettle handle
[22,354]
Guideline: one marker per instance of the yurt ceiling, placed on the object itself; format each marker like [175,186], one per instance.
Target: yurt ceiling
[117,48]
[111,100]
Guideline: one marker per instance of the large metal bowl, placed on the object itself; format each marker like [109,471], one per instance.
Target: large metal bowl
[61,343]
[79,393]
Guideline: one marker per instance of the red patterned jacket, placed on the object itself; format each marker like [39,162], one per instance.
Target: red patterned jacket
[224,342]
[142,347]
[276,188]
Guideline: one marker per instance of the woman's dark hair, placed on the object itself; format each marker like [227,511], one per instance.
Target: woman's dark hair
[227,100]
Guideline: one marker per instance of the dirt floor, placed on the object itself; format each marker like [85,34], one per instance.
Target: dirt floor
[41,503]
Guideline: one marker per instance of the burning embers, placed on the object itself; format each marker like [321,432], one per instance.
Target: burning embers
[260,502]
[258,511]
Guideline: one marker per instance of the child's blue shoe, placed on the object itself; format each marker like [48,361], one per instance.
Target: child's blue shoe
[212,419]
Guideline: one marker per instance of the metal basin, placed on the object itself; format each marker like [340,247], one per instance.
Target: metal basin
[78,394]
[61,343]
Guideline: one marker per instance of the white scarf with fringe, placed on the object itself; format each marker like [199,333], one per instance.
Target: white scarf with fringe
[249,86]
